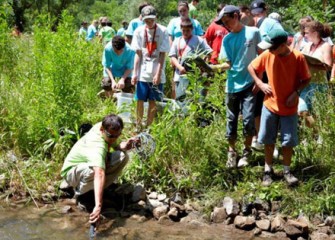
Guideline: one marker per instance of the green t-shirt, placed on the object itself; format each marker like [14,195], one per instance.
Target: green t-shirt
[193,12]
[107,34]
[91,149]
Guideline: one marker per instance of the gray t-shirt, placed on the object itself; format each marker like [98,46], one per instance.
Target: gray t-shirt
[181,48]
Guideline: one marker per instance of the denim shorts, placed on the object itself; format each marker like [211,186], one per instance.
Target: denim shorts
[244,102]
[307,96]
[147,91]
[271,122]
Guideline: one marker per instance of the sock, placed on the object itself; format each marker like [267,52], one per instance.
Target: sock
[267,168]
[286,169]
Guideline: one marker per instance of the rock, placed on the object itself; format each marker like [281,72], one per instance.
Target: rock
[262,215]
[231,206]
[325,230]
[195,206]
[275,206]
[317,220]
[138,194]
[319,236]
[165,220]
[188,208]
[138,218]
[277,224]
[257,232]
[292,231]
[173,213]
[301,225]
[261,205]
[191,216]
[219,215]
[263,224]
[153,195]
[280,235]
[301,238]
[51,189]
[180,208]
[332,237]
[161,197]
[160,211]
[142,203]
[153,203]
[196,223]
[329,221]
[66,209]
[245,223]
[177,198]
[125,189]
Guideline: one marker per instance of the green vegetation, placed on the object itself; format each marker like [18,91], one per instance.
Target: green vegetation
[49,81]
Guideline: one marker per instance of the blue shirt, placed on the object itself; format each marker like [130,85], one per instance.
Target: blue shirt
[118,64]
[174,29]
[240,49]
[91,31]
[135,23]
[267,25]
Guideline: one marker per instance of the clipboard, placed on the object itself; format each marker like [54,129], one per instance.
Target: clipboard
[314,61]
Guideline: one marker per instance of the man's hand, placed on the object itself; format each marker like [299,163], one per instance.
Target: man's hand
[292,100]
[182,71]
[266,89]
[125,146]
[121,83]
[157,79]
[95,215]
[134,80]
[114,85]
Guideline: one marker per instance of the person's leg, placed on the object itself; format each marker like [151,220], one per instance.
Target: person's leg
[152,110]
[267,135]
[81,179]
[141,95]
[139,112]
[233,110]
[117,161]
[248,108]
[155,94]
[289,138]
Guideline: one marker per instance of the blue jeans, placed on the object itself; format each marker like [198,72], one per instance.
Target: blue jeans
[244,102]
[270,122]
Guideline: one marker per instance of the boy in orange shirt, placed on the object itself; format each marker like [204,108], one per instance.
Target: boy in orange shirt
[288,74]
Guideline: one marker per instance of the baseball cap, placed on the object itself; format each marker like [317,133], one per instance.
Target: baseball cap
[226,10]
[274,38]
[148,12]
[257,7]
[275,16]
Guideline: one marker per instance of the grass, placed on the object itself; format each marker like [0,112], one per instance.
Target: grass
[49,82]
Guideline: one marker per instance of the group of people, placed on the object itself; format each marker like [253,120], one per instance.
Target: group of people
[268,82]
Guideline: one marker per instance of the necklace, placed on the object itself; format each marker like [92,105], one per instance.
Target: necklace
[312,50]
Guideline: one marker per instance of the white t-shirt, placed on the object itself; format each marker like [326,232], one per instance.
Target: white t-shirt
[180,50]
[149,64]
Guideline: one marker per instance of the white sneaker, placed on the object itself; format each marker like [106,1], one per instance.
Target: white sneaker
[231,161]
[256,145]
[244,161]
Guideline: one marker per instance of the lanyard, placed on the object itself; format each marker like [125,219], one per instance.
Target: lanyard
[310,50]
[150,46]
[181,51]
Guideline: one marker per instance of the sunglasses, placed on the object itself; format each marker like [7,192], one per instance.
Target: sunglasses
[108,135]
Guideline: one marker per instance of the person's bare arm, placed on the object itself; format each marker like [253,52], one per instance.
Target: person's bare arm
[138,57]
[110,75]
[121,82]
[221,67]
[294,97]
[177,65]
[157,77]
[264,87]
[99,182]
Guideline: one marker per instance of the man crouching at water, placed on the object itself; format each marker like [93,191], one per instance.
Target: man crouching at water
[93,165]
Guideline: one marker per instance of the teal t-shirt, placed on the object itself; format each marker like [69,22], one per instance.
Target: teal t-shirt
[91,149]
[174,29]
[117,63]
[133,25]
[121,32]
[240,49]
[91,32]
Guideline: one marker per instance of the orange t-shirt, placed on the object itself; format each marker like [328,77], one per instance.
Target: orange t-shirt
[285,74]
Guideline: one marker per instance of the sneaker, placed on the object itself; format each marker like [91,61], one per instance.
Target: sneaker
[290,179]
[231,161]
[256,145]
[244,161]
[267,179]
